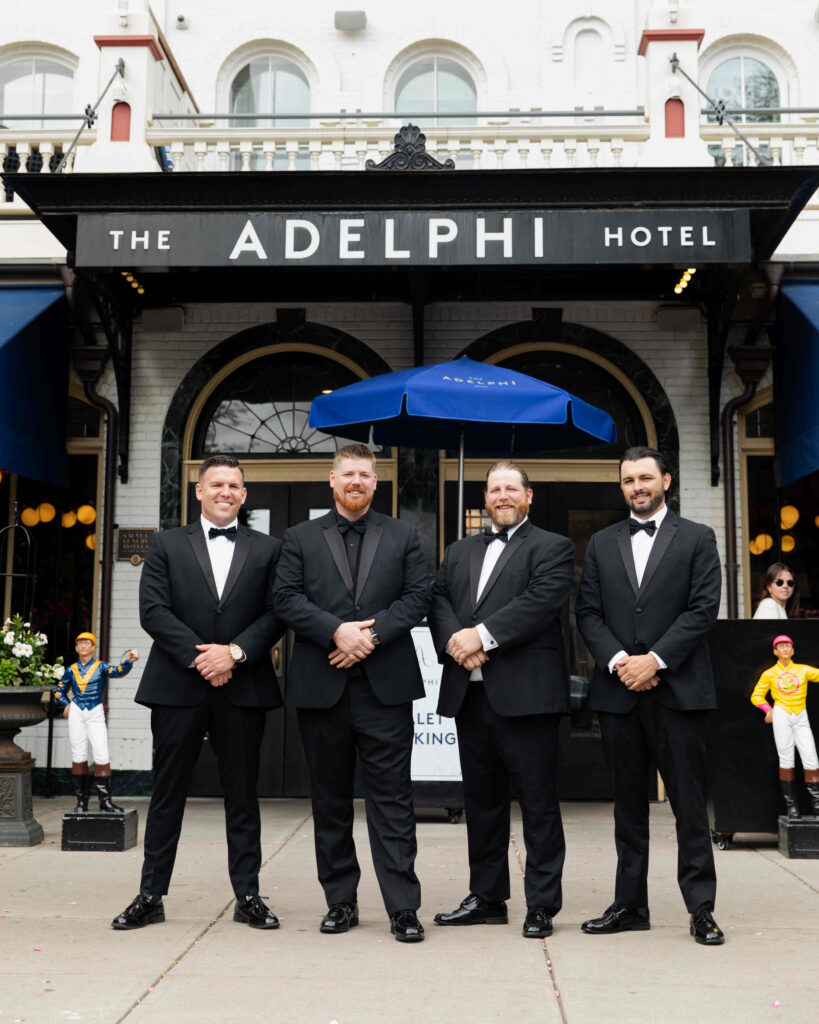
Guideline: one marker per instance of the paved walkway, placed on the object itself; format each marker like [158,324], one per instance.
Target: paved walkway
[61,961]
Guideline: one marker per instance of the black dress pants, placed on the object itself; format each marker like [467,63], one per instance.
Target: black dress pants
[496,751]
[676,740]
[235,734]
[382,736]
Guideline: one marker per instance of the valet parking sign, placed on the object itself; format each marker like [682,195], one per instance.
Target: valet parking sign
[435,747]
[412,238]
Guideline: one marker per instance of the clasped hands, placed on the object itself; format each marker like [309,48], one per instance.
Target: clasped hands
[353,642]
[466,647]
[638,672]
[215,663]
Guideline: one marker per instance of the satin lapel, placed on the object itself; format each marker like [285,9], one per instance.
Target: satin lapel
[476,556]
[196,535]
[624,544]
[369,544]
[336,544]
[241,550]
[665,535]
[509,548]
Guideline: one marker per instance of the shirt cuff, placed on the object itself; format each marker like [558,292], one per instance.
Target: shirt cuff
[617,657]
[488,641]
[660,663]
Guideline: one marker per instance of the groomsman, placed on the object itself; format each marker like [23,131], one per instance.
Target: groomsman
[495,621]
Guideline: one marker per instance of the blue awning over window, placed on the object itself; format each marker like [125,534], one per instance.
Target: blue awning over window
[796,381]
[34,383]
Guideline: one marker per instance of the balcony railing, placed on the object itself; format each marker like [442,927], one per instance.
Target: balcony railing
[37,150]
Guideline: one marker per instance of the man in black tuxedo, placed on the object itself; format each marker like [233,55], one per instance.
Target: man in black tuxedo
[495,621]
[352,584]
[648,597]
[206,599]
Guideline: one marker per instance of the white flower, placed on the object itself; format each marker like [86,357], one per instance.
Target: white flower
[22,650]
[57,671]
[26,625]
[9,639]
[40,639]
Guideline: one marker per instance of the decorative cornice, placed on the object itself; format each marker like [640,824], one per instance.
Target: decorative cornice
[149,41]
[410,154]
[669,35]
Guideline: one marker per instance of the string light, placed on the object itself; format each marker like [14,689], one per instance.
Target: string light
[685,277]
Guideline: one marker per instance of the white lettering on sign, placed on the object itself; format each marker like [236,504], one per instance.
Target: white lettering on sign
[163,239]
[482,236]
[248,241]
[141,239]
[290,229]
[538,238]
[685,235]
[441,230]
[615,235]
[664,232]
[640,236]
[346,237]
[705,239]
[390,252]
[116,235]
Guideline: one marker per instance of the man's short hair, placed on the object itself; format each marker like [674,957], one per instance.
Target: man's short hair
[220,460]
[641,451]
[353,451]
[505,464]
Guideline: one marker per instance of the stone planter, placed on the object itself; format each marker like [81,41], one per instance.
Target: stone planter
[19,706]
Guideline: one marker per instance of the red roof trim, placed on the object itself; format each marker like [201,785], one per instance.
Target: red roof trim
[669,35]
[149,41]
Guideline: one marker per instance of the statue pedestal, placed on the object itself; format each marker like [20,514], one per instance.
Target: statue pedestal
[99,831]
[17,824]
[800,838]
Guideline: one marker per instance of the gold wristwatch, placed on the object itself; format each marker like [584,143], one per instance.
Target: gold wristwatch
[236,652]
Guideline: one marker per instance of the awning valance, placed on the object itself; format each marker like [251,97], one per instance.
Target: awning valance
[796,381]
[33,383]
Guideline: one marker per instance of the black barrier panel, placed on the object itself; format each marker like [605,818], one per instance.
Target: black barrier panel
[744,762]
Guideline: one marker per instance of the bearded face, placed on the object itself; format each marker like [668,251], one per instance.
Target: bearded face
[507,500]
[353,483]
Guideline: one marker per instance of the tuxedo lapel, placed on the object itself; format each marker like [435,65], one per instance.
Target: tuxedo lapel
[624,544]
[509,548]
[196,535]
[336,544]
[665,535]
[369,544]
[476,557]
[241,550]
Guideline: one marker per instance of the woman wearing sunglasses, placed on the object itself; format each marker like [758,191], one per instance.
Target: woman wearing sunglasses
[782,600]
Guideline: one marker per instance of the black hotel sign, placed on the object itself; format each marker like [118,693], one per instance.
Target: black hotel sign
[416,238]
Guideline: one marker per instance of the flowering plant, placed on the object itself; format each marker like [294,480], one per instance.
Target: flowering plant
[22,656]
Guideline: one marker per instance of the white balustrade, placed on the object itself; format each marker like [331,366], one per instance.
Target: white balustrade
[43,147]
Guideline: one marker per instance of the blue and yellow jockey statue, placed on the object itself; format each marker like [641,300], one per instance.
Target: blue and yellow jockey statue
[86,680]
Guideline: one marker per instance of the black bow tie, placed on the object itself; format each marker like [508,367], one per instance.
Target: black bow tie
[360,526]
[229,532]
[489,535]
[634,526]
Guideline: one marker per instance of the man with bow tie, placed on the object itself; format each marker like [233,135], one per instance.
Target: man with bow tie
[495,621]
[648,598]
[352,584]
[206,599]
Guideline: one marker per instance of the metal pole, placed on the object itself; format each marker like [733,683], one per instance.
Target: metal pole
[91,114]
[461,486]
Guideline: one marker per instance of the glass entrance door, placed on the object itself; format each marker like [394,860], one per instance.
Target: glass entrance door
[576,510]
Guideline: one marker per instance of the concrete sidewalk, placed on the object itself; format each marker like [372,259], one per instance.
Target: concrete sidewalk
[61,961]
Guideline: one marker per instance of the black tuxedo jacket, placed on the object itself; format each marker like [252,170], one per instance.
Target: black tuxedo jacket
[520,606]
[180,608]
[670,613]
[314,594]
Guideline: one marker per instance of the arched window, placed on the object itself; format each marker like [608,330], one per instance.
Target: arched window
[742,83]
[437,85]
[35,85]
[270,85]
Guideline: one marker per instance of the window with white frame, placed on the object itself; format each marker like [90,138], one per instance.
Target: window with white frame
[437,85]
[35,85]
[746,83]
[270,85]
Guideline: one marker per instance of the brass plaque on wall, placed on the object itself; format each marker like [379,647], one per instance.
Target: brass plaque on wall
[132,543]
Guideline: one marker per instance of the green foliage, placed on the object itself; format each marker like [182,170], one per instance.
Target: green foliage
[22,656]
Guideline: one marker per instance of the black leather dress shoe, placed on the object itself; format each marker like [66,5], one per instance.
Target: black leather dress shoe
[618,919]
[145,909]
[538,923]
[705,929]
[340,918]
[406,927]
[252,910]
[474,910]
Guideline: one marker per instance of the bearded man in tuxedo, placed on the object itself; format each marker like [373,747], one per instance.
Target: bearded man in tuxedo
[649,595]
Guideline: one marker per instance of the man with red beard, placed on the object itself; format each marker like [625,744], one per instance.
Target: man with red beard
[352,584]
[495,620]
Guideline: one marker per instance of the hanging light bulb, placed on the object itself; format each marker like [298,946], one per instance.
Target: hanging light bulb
[86,514]
[30,517]
[788,517]
[765,541]
[787,542]
[754,547]
[69,519]
[91,541]
[46,511]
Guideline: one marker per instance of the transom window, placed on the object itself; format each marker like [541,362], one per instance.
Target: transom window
[270,85]
[35,85]
[437,85]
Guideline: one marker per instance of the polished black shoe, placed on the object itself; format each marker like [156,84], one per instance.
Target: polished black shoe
[538,923]
[618,919]
[146,909]
[341,917]
[705,929]
[252,910]
[406,927]
[474,910]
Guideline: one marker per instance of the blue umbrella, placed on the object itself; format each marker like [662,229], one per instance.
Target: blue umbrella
[461,404]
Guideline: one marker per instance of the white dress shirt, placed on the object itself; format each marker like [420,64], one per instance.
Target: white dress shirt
[220,551]
[641,544]
[494,549]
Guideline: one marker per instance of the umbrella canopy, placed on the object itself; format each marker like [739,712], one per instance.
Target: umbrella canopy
[461,403]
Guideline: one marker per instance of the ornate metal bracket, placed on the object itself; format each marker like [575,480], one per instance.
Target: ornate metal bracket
[410,154]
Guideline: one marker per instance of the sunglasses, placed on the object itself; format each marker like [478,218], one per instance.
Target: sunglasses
[785,583]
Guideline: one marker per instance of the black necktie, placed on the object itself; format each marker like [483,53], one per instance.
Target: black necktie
[230,533]
[360,526]
[635,525]
[489,535]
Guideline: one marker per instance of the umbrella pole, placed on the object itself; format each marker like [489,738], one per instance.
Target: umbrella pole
[461,487]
